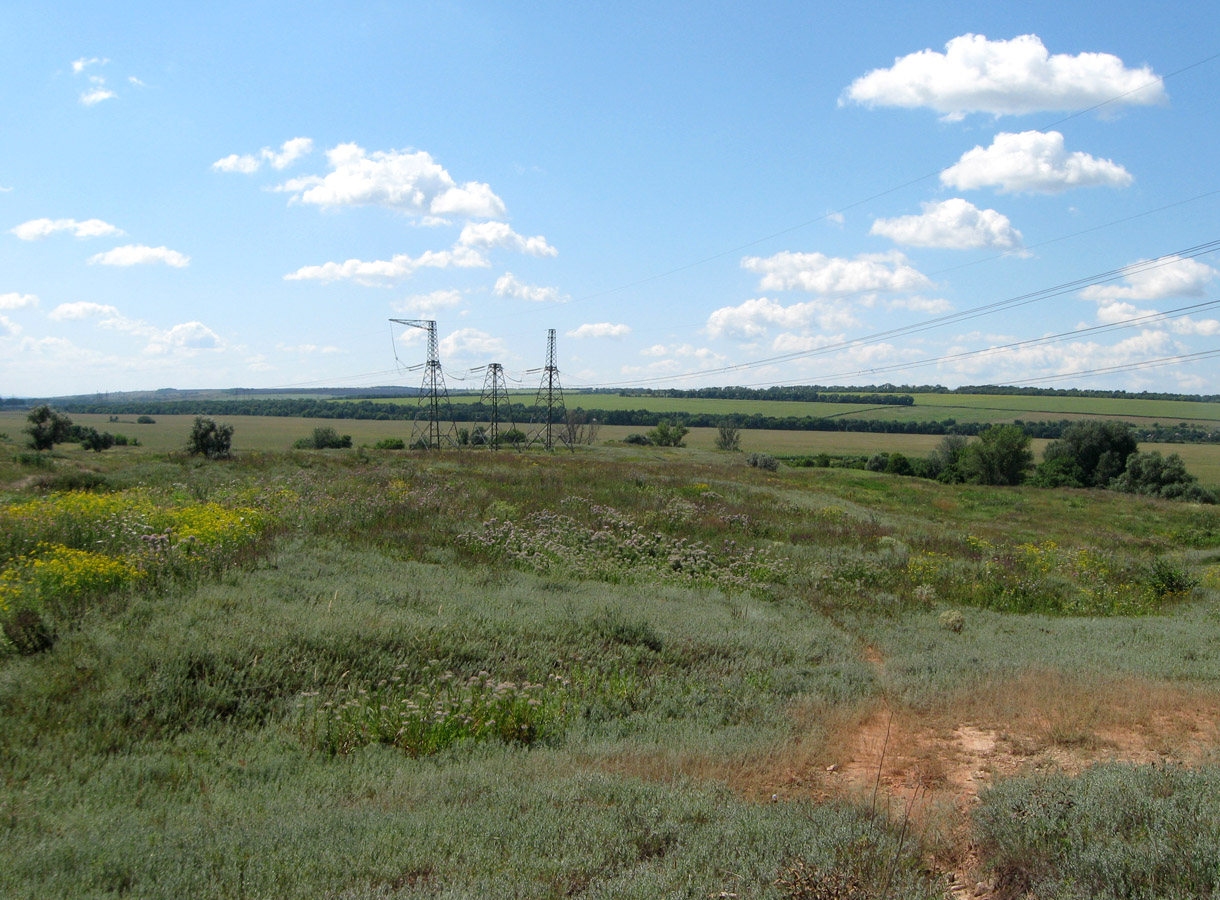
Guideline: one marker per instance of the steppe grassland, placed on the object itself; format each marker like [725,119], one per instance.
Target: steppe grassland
[674,685]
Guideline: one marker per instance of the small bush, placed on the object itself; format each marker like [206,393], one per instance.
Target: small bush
[324,438]
[146,420]
[728,437]
[899,465]
[209,438]
[1166,579]
[637,439]
[952,620]
[390,444]
[762,461]
[668,435]
[97,441]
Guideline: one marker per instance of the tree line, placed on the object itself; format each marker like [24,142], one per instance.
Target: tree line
[636,418]
[804,394]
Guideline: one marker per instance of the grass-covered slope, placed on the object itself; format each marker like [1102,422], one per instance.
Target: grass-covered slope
[358,675]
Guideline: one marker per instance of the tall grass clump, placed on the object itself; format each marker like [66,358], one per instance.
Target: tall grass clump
[424,718]
[1114,831]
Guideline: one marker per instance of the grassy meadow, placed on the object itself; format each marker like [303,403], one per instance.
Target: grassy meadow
[621,672]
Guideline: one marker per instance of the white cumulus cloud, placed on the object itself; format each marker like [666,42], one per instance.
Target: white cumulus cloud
[9,326]
[486,235]
[426,305]
[831,275]
[599,330]
[1110,312]
[35,229]
[248,163]
[184,337]
[1003,77]
[954,224]
[1176,278]
[472,342]
[384,272]
[14,300]
[508,285]
[754,318]
[1032,162]
[139,255]
[405,180]
[676,357]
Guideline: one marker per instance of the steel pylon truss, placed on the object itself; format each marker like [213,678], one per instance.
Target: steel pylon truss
[495,398]
[434,427]
[550,414]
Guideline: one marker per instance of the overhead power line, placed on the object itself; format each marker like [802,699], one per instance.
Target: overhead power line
[941,321]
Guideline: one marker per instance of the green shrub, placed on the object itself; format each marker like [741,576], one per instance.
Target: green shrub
[47,427]
[762,461]
[1166,477]
[1000,456]
[97,441]
[1167,578]
[728,436]
[390,444]
[1059,472]
[324,437]
[209,438]
[639,440]
[1099,450]
[668,435]
[145,420]
[898,464]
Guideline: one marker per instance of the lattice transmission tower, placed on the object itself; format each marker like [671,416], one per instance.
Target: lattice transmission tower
[436,429]
[549,412]
[495,395]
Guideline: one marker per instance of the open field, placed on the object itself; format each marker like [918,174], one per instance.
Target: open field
[624,672]
[936,407]
[278,433]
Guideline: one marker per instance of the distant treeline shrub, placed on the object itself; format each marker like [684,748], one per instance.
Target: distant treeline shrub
[797,393]
[478,412]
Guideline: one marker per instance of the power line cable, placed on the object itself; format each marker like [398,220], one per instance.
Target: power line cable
[952,318]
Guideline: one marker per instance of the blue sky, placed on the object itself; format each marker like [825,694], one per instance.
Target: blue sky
[241,195]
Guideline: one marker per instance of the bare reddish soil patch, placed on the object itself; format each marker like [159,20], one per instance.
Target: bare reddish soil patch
[929,766]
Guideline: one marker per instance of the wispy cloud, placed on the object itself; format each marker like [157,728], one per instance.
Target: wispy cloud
[140,255]
[36,229]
